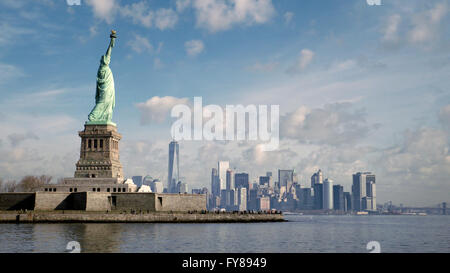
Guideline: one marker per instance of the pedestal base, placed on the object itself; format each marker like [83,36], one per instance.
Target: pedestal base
[99,153]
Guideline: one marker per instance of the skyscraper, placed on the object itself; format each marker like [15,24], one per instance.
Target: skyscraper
[318,196]
[215,182]
[285,178]
[328,194]
[241,180]
[242,198]
[347,201]
[363,191]
[317,187]
[316,178]
[230,180]
[306,199]
[338,197]
[174,167]
[371,192]
[223,166]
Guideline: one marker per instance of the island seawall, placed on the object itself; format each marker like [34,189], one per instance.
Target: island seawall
[152,217]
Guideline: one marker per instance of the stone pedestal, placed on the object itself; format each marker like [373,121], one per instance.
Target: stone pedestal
[99,153]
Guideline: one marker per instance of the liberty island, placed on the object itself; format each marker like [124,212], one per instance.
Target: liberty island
[99,186]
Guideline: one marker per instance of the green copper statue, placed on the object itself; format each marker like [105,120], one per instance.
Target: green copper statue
[105,93]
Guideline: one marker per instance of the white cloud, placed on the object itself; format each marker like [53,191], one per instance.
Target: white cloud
[194,47]
[305,58]
[422,159]
[438,12]
[93,30]
[140,44]
[104,9]
[54,143]
[219,15]
[334,124]
[140,13]
[414,26]
[391,30]
[426,24]
[344,65]
[165,19]
[288,16]
[157,109]
[182,5]
[142,157]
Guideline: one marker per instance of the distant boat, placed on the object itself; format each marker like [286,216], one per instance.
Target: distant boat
[362,213]
[292,213]
[415,213]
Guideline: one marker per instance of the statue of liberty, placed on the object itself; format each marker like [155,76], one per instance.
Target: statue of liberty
[105,93]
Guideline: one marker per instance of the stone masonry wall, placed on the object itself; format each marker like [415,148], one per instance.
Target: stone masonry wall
[98,201]
[134,201]
[180,202]
[102,201]
[16,201]
[53,201]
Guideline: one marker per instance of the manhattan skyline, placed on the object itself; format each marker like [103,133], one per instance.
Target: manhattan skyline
[360,88]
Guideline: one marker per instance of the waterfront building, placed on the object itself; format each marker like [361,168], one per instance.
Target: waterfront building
[242,198]
[264,203]
[363,191]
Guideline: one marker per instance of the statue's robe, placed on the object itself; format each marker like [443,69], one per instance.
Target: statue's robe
[105,93]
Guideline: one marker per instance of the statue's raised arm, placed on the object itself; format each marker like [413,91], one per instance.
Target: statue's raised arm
[105,92]
[111,44]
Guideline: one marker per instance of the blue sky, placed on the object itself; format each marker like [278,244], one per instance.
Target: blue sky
[359,87]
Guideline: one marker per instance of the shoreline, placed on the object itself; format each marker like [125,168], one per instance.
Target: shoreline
[118,217]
